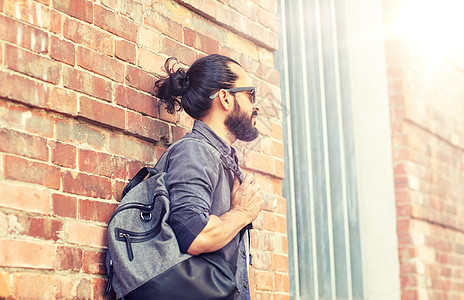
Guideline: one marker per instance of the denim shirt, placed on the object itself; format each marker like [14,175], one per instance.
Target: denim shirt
[199,185]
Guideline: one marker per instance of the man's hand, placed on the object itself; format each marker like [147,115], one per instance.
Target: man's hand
[246,198]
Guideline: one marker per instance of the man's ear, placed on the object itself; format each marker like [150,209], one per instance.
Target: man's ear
[225,100]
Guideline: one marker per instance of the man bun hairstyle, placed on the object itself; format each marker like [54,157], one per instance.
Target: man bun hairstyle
[191,89]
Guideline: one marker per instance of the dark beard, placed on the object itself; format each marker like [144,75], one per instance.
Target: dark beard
[240,124]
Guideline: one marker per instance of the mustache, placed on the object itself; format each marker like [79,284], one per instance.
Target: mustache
[254,113]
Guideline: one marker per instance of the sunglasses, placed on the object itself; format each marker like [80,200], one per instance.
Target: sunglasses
[251,92]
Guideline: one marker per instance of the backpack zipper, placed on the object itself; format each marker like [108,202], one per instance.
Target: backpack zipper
[130,237]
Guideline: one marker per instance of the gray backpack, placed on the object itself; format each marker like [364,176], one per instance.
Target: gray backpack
[143,259]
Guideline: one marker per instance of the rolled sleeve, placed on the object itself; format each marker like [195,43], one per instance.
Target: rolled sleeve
[192,175]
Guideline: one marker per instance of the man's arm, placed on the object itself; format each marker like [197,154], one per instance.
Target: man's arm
[246,204]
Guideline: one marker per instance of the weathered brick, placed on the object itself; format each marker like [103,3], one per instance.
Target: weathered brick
[178,133]
[36,227]
[150,61]
[62,100]
[94,262]
[87,83]
[140,79]
[86,234]
[26,119]
[184,54]
[137,101]
[100,64]
[30,171]
[131,147]
[78,133]
[125,51]
[265,281]
[279,262]
[23,35]
[69,259]
[29,11]
[86,185]
[149,39]
[64,206]
[23,144]
[62,50]
[32,64]
[260,162]
[115,23]
[81,9]
[31,92]
[101,112]
[25,197]
[4,276]
[201,42]
[97,211]
[84,289]
[102,164]
[33,285]
[118,187]
[63,154]
[17,253]
[165,25]
[147,127]
[88,36]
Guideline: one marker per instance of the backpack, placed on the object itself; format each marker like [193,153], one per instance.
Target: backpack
[143,259]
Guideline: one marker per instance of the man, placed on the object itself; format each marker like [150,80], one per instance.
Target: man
[210,202]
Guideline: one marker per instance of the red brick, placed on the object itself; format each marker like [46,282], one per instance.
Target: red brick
[131,147]
[134,100]
[69,259]
[31,92]
[178,133]
[265,281]
[1,10]
[274,222]
[260,162]
[84,289]
[63,154]
[33,286]
[23,35]
[166,116]
[279,262]
[118,187]
[17,253]
[88,36]
[64,206]
[125,51]
[63,100]
[101,112]
[86,234]
[4,276]
[148,38]
[1,53]
[201,42]
[100,64]
[30,171]
[62,50]
[147,127]
[94,262]
[23,144]
[115,23]
[150,61]
[37,227]
[32,64]
[102,164]
[86,185]
[30,12]
[165,25]
[79,133]
[80,9]
[25,197]
[184,54]
[97,211]
[139,79]
[56,21]
[87,83]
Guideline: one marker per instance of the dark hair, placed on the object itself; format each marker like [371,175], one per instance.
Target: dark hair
[191,89]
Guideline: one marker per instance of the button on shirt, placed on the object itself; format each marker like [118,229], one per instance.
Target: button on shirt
[200,185]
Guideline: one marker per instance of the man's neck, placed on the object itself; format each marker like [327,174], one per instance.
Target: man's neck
[220,129]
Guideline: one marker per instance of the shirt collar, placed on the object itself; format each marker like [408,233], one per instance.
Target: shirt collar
[212,137]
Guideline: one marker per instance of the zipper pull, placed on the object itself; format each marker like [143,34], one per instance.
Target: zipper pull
[128,245]
[110,278]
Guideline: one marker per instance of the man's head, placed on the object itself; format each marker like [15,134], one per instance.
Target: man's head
[214,84]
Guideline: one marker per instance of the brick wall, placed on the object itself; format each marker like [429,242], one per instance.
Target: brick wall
[77,120]
[427,137]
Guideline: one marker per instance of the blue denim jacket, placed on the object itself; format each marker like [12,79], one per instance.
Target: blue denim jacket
[199,185]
